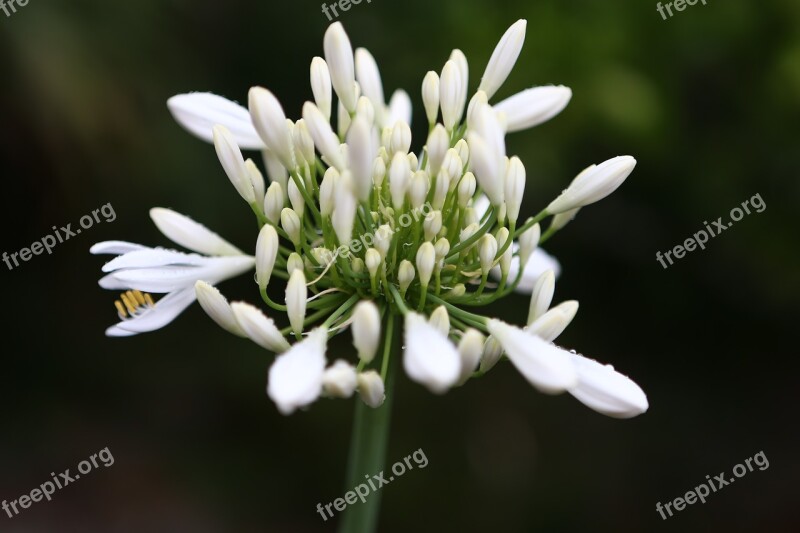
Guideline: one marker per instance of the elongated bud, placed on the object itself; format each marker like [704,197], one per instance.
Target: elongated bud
[463,151]
[468,232]
[270,123]
[551,324]
[562,219]
[378,171]
[430,96]
[371,388]
[399,108]
[450,90]
[440,320]
[432,225]
[266,253]
[216,306]
[503,58]
[321,86]
[342,120]
[259,328]
[515,188]
[324,139]
[528,242]
[303,143]
[466,189]
[296,298]
[460,60]
[344,209]
[418,189]
[383,239]
[296,199]
[471,216]
[405,275]
[399,179]
[438,144]
[366,110]
[426,260]
[442,248]
[339,380]
[593,184]
[486,167]
[505,259]
[475,103]
[361,157]
[453,166]
[366,330]
[276,172]
[470,348]
[533,106]
[400,141]
[441,186]
[369,77]
[339,56]
[372,258]
[327,191]
[290,223]
[487,249]
[492,350]
[257,179]
[233,163]
[542,295]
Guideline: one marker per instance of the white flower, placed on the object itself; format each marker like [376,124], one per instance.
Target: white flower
[547,367]
[339,56]
[533,106]
[593,184]
[399,108]
[470,348]
[371,388]
[157,270]
[605,390]
[200,112]
[429,358]
[295,378]
[366,330]
[503,58]
[340,380]
[259,328]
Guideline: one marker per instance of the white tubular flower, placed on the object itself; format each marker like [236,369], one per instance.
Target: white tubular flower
[551,324]
[371,388]
[199,112]
[140,270]
[259,328]
[295,378]
[321,86]
[366,330]
[361,157]
[399,179]
[430,96]
[487,168]
[492,351]
[399,108]
[325,140]
[542,296]
[232,161]
[606,391]
[487,249]
[339,380]
[547,367]
[266,252]
[593,185]
[426,260]
[296,299]
[515,188]
[273,203]
[216,306]
[344,209]
[440,320]
[192,235]
[503,58]
[441,187]
[470,348]
[270,122]
[369,78]
[290,222]
[339,56]
[430,358]
[533,106]
[450,91]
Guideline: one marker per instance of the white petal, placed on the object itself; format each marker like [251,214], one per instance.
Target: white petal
[539,263]
[503,58]
[295,378]
[217,307]
[340,380]
[115,247]
[171,278]
[429,358]
[605,390]
[259,328]
[547,367]
[533,106]
[153,258]
[164,312]
[399,108]
[184,231]
[199,112]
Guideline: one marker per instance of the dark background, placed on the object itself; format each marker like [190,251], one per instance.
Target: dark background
[707,101]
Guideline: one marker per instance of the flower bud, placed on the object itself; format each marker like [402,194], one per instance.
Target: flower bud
[593,184]
[503,58]
[266,253]
[533,106]
[426,260]
[366,330]
[357,265]
[399,108]
[372,258]
[233,163]
[378,171]
[343,120]
[369,77]
[216,306]
[458,57]
[468,232]
[551,324]
[463,150]
[430,96]
[321,86]
[290,222]
[442,248]
[432,225]
[259,328]
[438,144]
[324,139]
[295,262]
[440,320]
[400,141]
[515,188]
[270,123]
[339,380]
[383,239]
[344,209]
[466,189]
[366,110]
[371,388]
[492,350]
[470,348]
[399,179]
[458,290]
[339,56]
[405,275]
[541,296]
[256,178]
[361,157]
[296,199]
[326,191]
[562,219]
[505,259]
[487,249]
[199,112]
[296,298]
[418,189]
[450,91]
[486,166]
[528,242]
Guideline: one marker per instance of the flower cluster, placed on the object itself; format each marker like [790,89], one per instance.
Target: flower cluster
[366,232]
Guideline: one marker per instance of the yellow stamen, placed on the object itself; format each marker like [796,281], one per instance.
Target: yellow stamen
[120,309]
[149,300]
[139,297]
[132,302]
[128,304]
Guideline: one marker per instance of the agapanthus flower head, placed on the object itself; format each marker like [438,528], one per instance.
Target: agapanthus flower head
[373,232]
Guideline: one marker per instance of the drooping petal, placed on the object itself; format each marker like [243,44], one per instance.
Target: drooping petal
[259,328]
[199,112]
[184,231]
[605,390]
[295,378]
[547,367]
[429,358]
[156,317]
